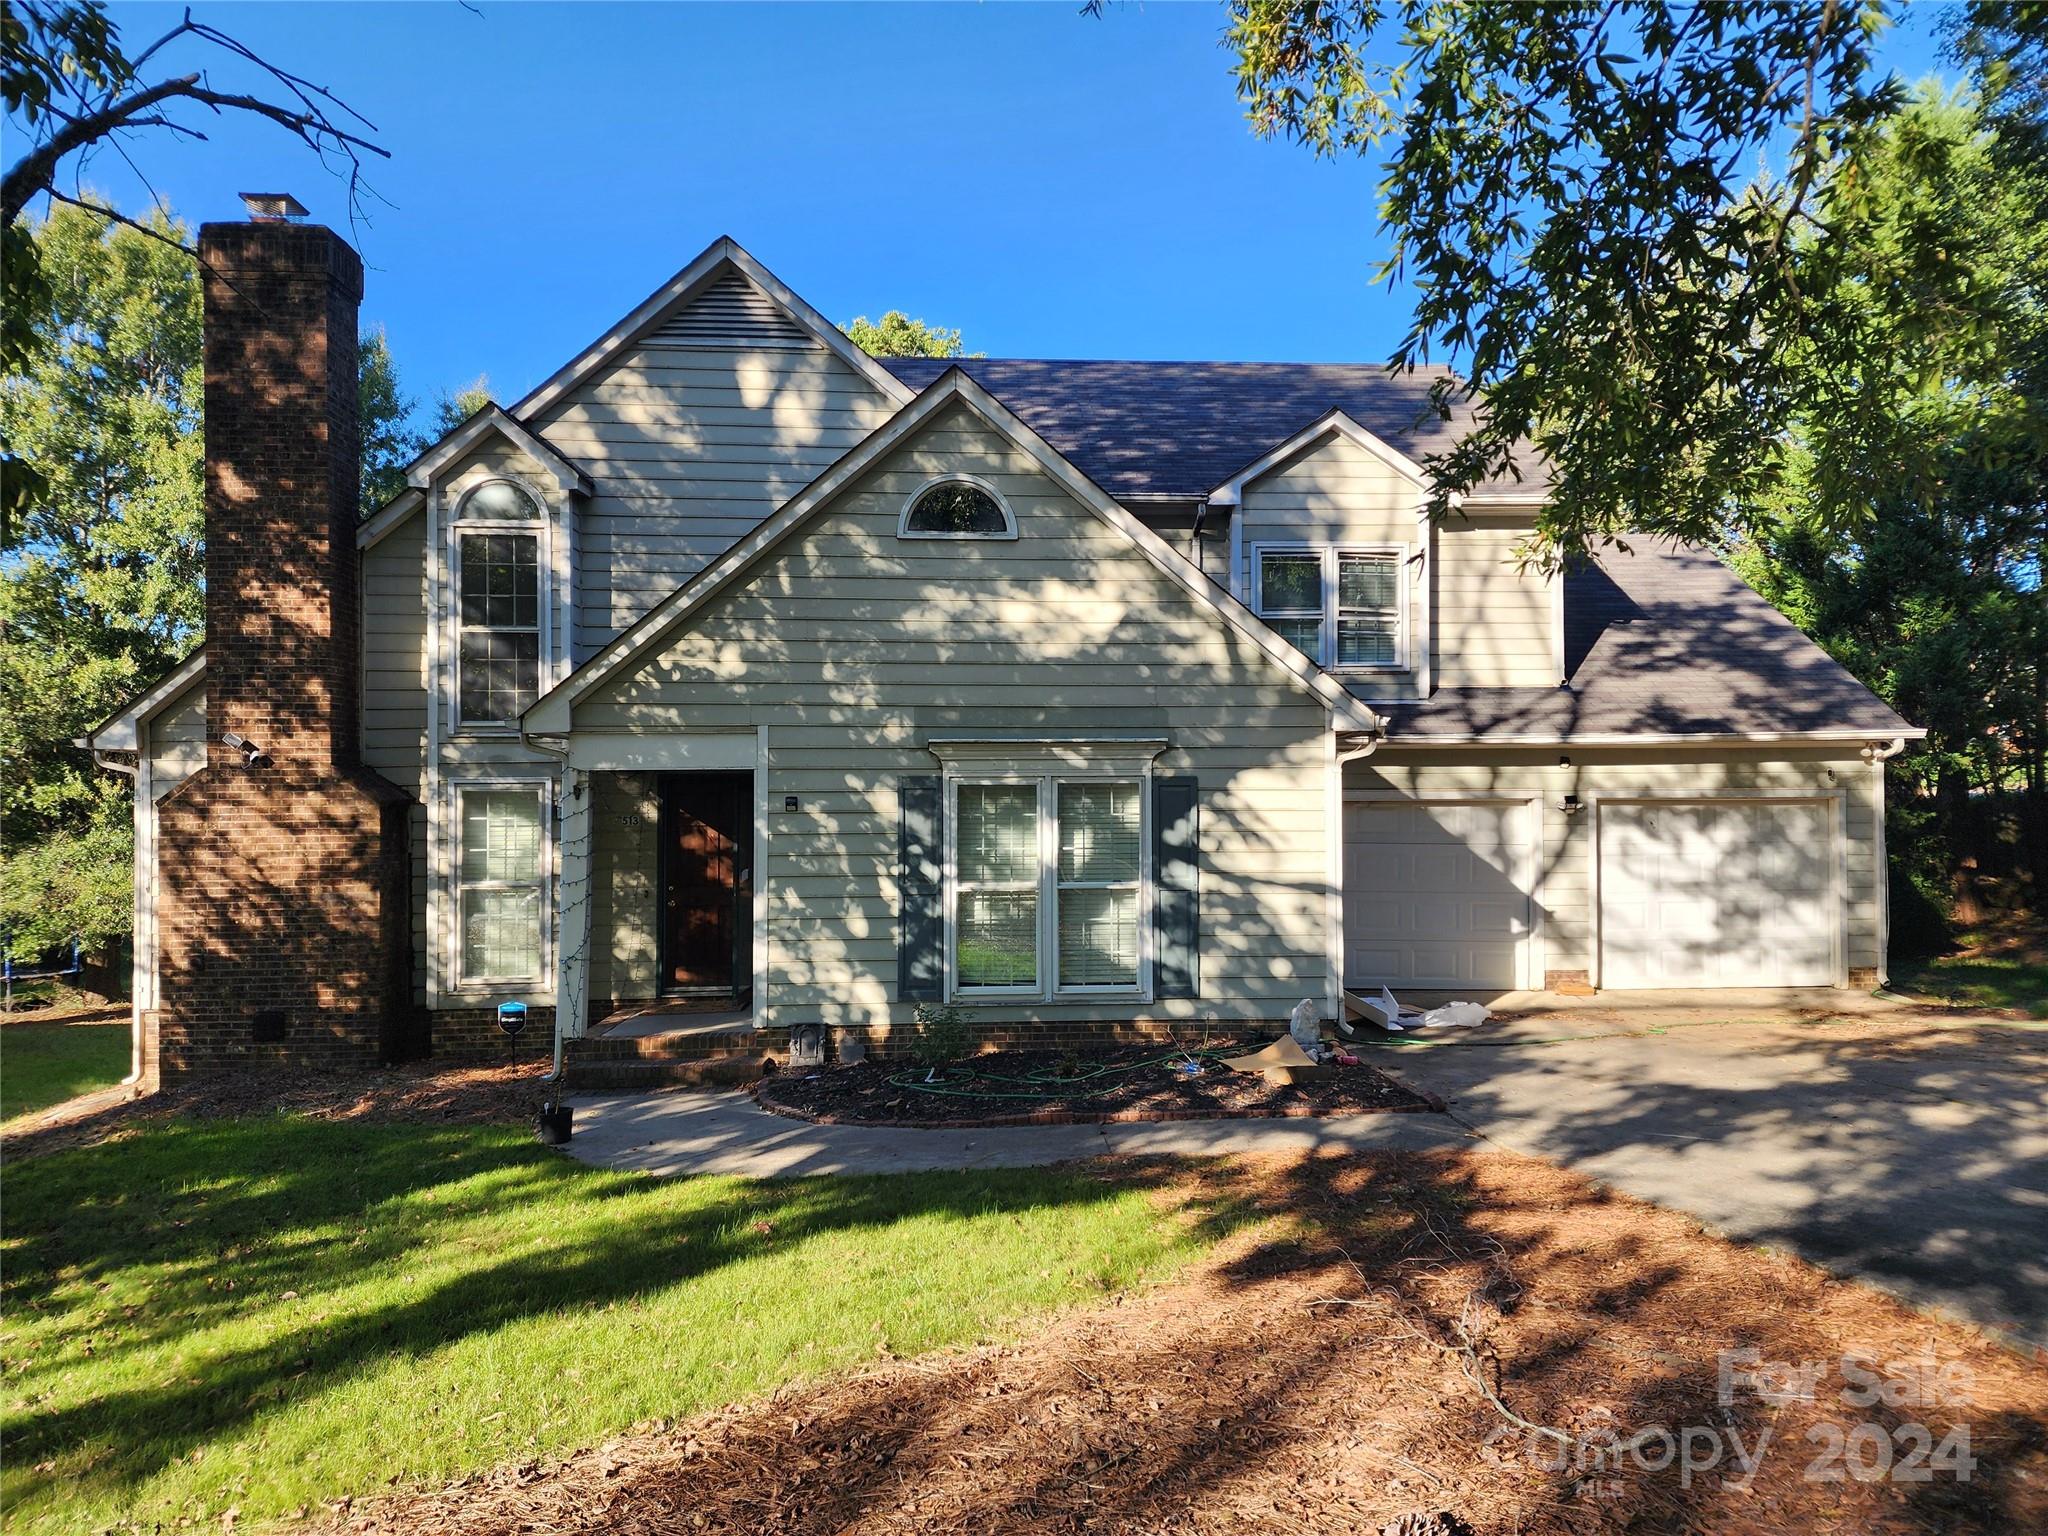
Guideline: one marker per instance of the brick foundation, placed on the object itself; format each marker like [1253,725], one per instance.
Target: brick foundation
[1051,1035]
[283,870]
[472,1034]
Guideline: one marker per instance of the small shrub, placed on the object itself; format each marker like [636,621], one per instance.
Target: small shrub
[941,1034]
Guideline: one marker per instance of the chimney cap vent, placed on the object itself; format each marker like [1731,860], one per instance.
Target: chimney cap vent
[273,207]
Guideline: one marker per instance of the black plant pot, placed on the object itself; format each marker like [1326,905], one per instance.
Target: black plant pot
[554,1123]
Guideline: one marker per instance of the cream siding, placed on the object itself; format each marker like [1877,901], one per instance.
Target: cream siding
[691,445]
[1495,624]
[1565,878]
[855,648]
[394,577]
[1484,622]
[1335,492]
[394,580]
[177,741]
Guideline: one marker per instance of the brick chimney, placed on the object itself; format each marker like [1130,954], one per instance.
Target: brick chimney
[284,875]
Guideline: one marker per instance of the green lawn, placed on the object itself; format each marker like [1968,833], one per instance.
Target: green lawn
[45,1064]
[265,1314]
[1989,971]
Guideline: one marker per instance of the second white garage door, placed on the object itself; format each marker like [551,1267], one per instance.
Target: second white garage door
[1736,893]
[1436,894]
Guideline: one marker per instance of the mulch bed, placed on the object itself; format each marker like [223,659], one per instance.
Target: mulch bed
[420,1093]
[1347,1365]
[1126,1083]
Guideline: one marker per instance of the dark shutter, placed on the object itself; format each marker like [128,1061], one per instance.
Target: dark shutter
[1176,899]
[921,901]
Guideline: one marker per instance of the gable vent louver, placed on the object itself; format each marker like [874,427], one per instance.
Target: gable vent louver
[732,313]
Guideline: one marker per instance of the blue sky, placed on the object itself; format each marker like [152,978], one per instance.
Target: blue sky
[1053,185]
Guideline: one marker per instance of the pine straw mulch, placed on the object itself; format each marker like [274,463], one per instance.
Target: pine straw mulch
[1049,1087]
[418,1093]
[1348,1360]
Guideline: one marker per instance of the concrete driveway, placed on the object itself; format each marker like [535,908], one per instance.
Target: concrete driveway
[1894,1144]
[1898,1146]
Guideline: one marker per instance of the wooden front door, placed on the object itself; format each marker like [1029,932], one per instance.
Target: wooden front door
[707,838]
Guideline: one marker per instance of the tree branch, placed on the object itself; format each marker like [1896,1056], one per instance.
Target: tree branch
[103,116]
[36,169]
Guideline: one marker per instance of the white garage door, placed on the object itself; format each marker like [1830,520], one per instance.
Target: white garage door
[1436,894]
[1725,894]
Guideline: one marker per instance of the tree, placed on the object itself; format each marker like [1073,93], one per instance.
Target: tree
[102,592]
[452,410]
[1935,601]
[1571,188]
[65,76]
[897,335]
[384,411]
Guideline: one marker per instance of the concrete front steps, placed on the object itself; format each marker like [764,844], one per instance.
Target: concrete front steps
[674,1051]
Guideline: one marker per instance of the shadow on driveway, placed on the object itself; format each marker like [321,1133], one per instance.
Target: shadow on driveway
[1901,1151]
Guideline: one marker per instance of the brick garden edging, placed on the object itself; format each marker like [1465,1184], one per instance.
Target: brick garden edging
[1426,1103]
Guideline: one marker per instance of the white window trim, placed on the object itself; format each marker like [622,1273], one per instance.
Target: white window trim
[548,550]
[904,530]
[1330,555]
[1046,766]
[542,980]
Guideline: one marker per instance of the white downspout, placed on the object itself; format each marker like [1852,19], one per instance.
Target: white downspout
[144,868]
[1877,754]
[555,747]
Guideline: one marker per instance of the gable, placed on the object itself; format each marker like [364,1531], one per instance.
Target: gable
[1332,490]
[692,434]
[1069,626]
[731,312]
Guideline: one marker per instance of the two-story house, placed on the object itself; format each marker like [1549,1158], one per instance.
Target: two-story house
[735,667]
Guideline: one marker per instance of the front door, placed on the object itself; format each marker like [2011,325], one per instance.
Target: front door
[707,881]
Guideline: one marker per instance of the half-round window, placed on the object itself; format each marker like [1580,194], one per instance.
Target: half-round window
[500,501]
[957,509]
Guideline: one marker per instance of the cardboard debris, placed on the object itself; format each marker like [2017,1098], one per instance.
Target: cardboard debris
[1281,1063]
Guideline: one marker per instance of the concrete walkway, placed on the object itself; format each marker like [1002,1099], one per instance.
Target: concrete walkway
[1890,1145]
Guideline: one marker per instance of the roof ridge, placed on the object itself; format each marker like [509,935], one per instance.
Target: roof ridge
[1433,370]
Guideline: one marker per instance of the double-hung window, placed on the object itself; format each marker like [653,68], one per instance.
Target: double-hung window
[1050,886]
[500,610]
[502,882]
[1341,607]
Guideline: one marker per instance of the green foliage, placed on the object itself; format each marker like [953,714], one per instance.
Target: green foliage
[44,46]
[897,335]
[1935,602]
[1571,189]
[268,1313]
[100,586]
[102,592]
[70,883]
[941,1034]
[389,444]
[452,410]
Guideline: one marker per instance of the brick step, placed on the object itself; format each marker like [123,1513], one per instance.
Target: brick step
[707,1072]
[680,1045]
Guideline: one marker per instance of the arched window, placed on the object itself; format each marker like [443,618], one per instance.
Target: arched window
[499,533]
[499,501]
[956,508]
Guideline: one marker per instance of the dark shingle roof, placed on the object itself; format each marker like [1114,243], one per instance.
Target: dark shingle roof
[1181,429]
[1667,641]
